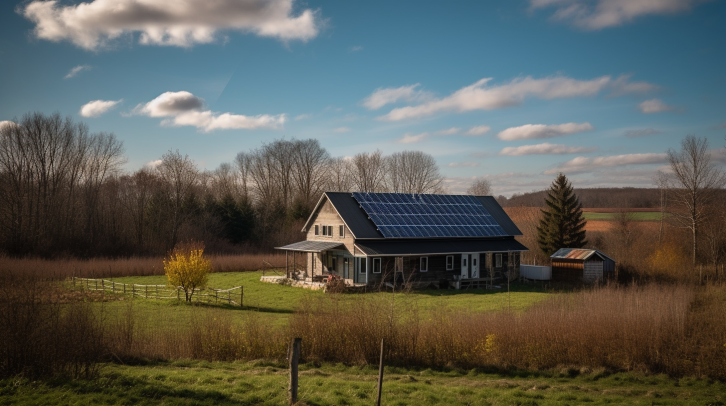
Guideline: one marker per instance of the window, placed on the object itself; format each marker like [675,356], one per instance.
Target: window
[328,231]
[498,260]
[473,262]
[466,263]
[317,230]
[449,262]
[341,231]
[362,266]
[376,265]
[424,264]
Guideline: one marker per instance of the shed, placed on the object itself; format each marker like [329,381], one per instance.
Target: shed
[581,265]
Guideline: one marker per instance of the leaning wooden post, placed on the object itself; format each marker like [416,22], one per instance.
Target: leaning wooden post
[294,357]
[380,376]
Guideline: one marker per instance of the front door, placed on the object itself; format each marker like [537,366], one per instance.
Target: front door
[475,265]
[464,266]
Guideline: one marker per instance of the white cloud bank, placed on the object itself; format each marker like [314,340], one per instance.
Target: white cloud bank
[544,149]
[585,164]
[478,130]
[95,24]
[383,96]
[185,109]
[482,96]
[409,138]
[97,107]
[654,106]
[538,131]
[4,123]
[76,70]
[596,15]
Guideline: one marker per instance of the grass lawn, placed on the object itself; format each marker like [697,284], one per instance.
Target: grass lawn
[264,383]
[277,302]
[634,216]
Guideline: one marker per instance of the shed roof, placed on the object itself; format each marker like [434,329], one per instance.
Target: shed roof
[310,246]
[578,254]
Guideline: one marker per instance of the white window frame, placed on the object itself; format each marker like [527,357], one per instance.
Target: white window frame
[327,231]
[341,231]
[380,265]
[449,266]
[498,260]
[423,261]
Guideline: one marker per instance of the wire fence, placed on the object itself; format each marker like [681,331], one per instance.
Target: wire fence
[162,292]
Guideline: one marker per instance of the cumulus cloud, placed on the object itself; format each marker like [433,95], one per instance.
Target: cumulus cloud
[537,131]
[654,106]
[478,130]
[599,14]
[153,164]
[641,132]
[76,70]
[96,24]
[4,123]
[585,164]
[341,130]
[185,109]
[449,131]
[383,96]
[97,107]
[545,149]
[463,164]
[409,138]
[482,96]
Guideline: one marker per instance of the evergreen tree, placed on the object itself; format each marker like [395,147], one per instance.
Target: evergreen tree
[562,224]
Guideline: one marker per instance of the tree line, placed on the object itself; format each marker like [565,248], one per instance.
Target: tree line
[64,192]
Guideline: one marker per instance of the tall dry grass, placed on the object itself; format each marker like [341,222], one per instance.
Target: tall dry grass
[137,266]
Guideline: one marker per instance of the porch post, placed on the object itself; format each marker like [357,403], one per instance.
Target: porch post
[287,267]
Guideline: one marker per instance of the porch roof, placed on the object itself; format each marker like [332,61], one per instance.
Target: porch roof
[310,246]
[433,247]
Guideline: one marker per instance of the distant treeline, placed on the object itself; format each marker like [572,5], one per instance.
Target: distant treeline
[63,192]
[594,197]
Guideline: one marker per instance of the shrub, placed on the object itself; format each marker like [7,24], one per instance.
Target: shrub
[187,268]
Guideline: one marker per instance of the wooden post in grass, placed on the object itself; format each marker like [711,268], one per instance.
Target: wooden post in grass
[380,376]
[294,354]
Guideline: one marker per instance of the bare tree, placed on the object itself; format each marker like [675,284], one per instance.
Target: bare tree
[369,172]
[412,172]
[340,172]
[480,187]
[697,180]
[180,174]
[310,170]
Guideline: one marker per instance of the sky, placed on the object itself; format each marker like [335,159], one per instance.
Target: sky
[510,91]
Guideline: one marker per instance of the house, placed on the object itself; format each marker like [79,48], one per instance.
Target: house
[581,265]
[370,238]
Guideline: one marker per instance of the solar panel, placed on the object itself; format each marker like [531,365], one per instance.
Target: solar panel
[400,215]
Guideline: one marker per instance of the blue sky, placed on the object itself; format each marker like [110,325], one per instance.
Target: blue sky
[512,91]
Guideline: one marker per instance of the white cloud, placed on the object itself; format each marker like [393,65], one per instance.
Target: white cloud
[599,14]
[544,149]
[76,70]
[448,131]
[621,86]
[654,106]
[341,130]
[537,131]
[409,138]
[478,130]
[8,123]
[302,117]
[97,23]
[153,164]
[185,109]
[463,164]
[584,164]
[644,132]
[380,97]
[479,96]
[97,107]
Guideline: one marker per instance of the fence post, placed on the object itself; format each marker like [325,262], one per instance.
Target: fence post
[133,291]
[124,288]
[294,357]
[380,376]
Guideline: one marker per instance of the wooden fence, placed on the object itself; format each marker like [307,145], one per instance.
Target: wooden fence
[207,295]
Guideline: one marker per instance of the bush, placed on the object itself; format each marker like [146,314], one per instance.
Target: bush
[187,268]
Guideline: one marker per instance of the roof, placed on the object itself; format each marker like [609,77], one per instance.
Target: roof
[310,246]
[438,246]
[362,227]
[579,254]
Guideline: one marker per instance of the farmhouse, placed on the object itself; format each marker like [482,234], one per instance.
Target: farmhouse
[373,238]
[581,265]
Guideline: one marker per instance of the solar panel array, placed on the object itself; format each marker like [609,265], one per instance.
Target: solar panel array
[399,215]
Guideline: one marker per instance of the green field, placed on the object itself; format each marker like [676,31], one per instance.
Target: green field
[633,216]
[264,383]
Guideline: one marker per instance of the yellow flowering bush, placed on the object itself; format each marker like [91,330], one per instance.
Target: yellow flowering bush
[186,267]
